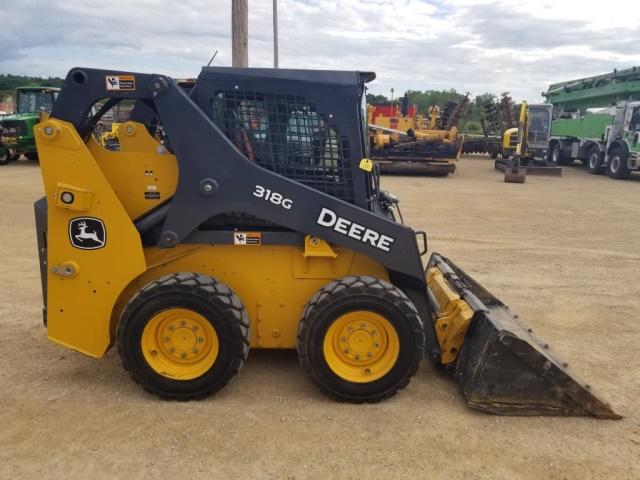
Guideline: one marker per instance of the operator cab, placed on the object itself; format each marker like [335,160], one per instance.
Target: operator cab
[35,99]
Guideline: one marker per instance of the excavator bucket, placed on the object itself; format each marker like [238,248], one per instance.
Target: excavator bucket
[515,175]
[502,367]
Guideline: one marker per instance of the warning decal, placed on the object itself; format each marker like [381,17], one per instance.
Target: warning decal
[246,238]
[152,195]
[120,82]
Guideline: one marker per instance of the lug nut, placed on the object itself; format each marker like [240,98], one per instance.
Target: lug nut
[171,350]
[200,339]
[171,327]
[183,355]
[182,323]
[343,339]
[195,350]
[165,339]
[195,328]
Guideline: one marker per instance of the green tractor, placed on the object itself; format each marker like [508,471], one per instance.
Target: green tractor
[17,130]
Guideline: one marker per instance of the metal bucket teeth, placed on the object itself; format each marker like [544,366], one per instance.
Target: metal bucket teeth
[503,369]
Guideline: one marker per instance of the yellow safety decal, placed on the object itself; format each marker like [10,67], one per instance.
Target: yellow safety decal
[366,165]
[246,238]
[120,82]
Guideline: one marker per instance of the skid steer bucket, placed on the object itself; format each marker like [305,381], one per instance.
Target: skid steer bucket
[503,369]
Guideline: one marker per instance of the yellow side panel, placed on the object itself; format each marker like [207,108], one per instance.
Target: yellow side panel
[86,284]
[273,282]
[143,174]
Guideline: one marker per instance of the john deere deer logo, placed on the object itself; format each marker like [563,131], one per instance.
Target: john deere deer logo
[87,233]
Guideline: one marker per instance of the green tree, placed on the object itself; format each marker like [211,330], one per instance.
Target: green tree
[376,99]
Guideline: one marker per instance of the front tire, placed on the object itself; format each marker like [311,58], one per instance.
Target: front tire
[617,167]
[5,156]
[183,336]
[360,339]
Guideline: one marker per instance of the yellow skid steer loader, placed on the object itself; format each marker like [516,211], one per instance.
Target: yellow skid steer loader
[242,212]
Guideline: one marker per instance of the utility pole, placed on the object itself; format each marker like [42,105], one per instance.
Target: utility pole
[275,33]
[239,33]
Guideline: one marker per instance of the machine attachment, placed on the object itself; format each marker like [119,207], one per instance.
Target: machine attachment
[515,173]
[503,369]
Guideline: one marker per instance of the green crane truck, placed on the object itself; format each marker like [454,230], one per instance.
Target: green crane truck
[16,131]
[608,140]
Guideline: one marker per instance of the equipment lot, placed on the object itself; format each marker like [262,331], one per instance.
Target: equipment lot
[563,252]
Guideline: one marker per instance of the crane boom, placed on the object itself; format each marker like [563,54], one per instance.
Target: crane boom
[596,91]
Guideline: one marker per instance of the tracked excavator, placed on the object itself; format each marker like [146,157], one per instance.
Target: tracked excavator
[245,213]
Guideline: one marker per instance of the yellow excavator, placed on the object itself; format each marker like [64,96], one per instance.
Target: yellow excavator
[245,213]
[524,148]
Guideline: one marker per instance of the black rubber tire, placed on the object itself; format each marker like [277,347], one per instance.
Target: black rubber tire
[211,299]
[557,156]
[5,156]
[618,170]
[360,293]
[594,161]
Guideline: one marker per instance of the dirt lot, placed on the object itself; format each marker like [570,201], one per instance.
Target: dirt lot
[563,252]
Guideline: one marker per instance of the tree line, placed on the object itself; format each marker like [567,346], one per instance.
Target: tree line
[9,82]
[423,99]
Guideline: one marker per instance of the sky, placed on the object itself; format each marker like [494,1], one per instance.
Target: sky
[477,46]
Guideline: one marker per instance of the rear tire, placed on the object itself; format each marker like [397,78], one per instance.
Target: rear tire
[360,339]
[617,167]
[183,336]
[595,161]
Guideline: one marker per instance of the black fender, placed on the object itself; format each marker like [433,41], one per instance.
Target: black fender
[620,143]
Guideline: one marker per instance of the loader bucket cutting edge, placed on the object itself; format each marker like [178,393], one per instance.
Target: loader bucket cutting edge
[503,369]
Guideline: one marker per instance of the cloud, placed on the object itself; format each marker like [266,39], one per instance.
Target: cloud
[470,45]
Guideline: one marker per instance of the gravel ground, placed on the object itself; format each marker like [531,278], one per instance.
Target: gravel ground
[563,252]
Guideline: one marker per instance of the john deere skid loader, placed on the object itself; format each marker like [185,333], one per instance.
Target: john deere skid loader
[258,222]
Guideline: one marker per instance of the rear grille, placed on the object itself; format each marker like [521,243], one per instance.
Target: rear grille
[13,128]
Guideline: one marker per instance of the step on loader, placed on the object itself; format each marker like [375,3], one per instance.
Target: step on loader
[242,212]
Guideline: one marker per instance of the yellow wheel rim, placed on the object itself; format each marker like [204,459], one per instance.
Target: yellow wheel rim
[361,346]
[179,344]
